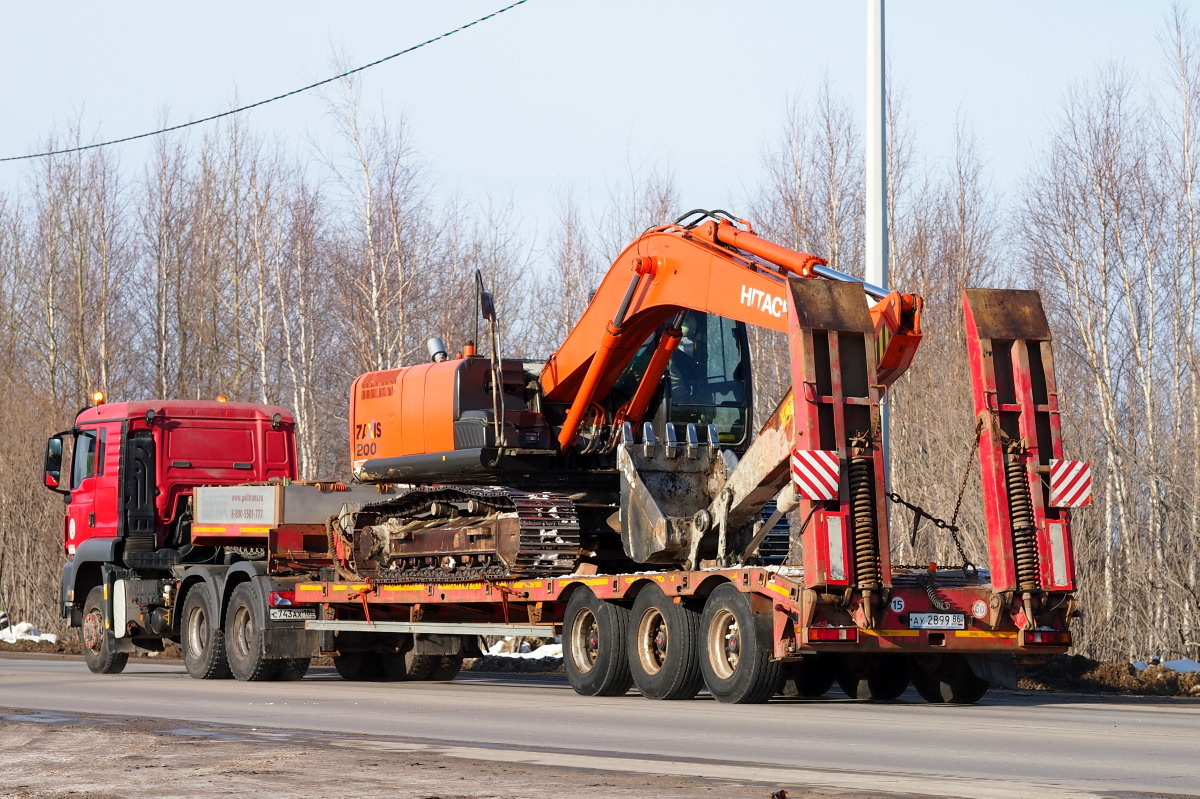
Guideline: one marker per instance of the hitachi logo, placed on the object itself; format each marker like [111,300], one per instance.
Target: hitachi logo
[768,303]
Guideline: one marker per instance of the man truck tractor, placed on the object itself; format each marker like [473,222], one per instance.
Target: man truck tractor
[616,493]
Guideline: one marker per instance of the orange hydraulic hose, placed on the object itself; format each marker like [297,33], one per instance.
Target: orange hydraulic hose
[654,372]
[800,263]
[583,398]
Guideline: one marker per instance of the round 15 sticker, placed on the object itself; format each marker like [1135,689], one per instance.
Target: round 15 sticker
[897,604]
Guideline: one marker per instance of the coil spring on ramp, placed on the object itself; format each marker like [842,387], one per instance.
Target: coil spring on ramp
[862,509]
[1020,511]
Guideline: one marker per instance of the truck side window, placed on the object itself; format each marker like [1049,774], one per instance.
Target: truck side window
[83,461]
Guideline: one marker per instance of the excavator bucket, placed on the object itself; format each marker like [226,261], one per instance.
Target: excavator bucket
[837,457]
[1027,485]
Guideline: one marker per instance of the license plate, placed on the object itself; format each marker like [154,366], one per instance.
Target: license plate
[937,621]
[293,614]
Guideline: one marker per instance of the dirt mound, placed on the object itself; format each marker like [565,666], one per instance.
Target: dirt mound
[1079,673]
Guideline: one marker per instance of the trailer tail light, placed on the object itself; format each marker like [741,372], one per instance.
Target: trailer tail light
[1044,638]
[280,599]
[845,635]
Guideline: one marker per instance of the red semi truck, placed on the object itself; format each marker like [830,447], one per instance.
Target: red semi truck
[610,495]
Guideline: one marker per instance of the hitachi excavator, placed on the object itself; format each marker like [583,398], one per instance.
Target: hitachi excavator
[631,445]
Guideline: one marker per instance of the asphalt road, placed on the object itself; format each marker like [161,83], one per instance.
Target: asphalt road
[1008,745]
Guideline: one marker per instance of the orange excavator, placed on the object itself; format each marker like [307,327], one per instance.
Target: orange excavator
[631,445]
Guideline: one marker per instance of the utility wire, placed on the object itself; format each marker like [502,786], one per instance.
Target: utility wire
[233,111]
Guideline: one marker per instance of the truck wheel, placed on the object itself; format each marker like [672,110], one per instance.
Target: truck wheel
[595,653]
[736,657]
[244,636]
[99,645]
[664,647]
[354,666]
[291,669]
[873,677]
[201,637]
[432,668]
[948,679]
[809,678]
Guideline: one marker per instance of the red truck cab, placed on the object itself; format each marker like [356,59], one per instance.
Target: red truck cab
[133,465]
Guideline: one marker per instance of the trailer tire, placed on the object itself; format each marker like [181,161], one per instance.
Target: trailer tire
[201,638]
[948,679]
[244,644]
[432,668]
[809,678]
[664,646]
[735,655]
[877,678]
[595,649]
[353,666]
[291,669]
[99,645]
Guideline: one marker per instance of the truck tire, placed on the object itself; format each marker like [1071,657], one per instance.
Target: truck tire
[736,656]
[809,678]
[664,646]
[244,644]
[948,679]
[99,645]
[875,678]
[200,635]
[291,669]
[595,645]
[432,668]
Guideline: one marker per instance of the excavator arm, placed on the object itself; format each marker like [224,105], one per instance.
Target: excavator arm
[716,265]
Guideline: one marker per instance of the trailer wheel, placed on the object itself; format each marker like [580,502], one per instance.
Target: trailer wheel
[809,678]
[201,637]
[664,647]
[291,669]
[354,666]
[433,668]
[735,655]
[595,650]
[99,645]
[948,679]
[873,677]
[244,636]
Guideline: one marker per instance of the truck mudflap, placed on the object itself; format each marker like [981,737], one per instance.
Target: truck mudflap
[284,633]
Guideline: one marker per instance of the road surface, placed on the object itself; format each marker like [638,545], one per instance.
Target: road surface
[1010,744]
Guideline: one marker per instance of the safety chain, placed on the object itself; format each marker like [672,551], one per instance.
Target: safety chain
[951,526]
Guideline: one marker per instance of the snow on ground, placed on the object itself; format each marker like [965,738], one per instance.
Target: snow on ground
[547,651]
[24,631]
[1182,665]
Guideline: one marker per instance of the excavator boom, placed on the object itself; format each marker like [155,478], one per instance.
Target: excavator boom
[714,266]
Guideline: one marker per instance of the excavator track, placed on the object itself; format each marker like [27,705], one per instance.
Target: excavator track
[459,533]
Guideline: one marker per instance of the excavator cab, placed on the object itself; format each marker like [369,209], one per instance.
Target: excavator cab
[707,380]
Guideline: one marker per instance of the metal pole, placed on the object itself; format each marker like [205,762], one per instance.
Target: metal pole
[876,216]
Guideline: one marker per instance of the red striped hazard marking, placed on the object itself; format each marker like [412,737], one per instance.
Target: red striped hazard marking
[815,473]
[1070,484]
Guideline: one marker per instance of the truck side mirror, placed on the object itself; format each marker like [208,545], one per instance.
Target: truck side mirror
[53,468]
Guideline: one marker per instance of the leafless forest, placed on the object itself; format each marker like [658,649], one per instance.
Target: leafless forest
[227,264]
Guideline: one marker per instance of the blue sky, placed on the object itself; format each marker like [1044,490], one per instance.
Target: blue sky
[559,93]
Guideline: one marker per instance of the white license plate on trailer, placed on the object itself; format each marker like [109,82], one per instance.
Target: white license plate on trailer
[937,621]
[293,614]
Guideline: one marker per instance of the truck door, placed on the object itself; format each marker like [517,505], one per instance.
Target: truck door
[88,474]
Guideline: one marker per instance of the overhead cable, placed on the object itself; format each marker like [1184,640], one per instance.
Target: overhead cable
[240,109]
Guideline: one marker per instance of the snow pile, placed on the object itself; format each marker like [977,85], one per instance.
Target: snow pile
[24,631]
[505,649]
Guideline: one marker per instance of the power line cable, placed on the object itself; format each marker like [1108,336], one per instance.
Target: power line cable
[285,95]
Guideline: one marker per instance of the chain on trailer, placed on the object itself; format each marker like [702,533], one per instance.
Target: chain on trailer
[919,514]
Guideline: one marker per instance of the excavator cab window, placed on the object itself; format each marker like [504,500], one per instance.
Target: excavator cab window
[707,377]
